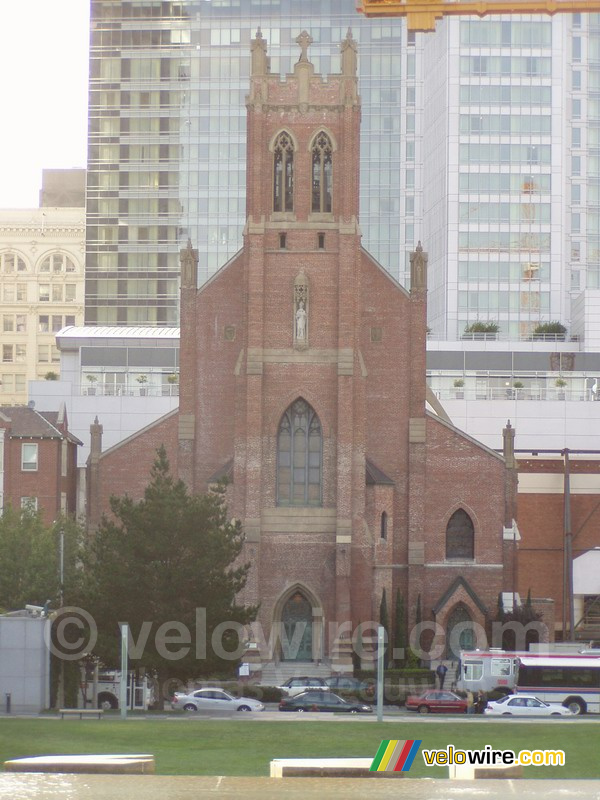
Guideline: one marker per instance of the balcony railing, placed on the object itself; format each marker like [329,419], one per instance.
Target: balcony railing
[509,393]
[131,391]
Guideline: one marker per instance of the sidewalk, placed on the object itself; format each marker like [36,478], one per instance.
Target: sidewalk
[162,787]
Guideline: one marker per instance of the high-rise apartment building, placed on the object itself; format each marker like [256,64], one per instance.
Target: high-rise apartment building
[511,107]
[482,139]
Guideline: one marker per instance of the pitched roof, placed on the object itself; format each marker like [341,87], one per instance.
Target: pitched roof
[226,471]
[27,422]
[374,476]
[52,417]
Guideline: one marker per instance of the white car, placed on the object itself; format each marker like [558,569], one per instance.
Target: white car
[295,686]
[214,700]
[525,705]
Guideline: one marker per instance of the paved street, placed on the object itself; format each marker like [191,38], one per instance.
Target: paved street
[160,787]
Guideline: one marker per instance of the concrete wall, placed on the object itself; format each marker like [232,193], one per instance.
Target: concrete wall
[24,663]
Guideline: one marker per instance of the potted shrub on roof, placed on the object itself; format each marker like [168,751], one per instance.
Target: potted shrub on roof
[550,331]
[142,380]
[173,380]
[560,384]
[458,385]
[481,330]
[51,376]
[92,379]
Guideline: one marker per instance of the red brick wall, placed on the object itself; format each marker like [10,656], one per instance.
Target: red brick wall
[43,483]
[125,468]
[541,523]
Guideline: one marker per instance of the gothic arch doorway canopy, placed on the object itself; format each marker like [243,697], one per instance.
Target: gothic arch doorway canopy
[298,626]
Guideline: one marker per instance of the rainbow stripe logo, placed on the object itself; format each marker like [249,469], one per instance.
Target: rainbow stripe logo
[395,755]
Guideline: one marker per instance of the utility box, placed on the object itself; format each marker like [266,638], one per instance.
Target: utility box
[24,663]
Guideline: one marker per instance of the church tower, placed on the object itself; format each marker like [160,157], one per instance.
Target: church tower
[302,278]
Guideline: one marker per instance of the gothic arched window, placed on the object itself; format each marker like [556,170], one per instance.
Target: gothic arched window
[383,527]
[283,173]
[299,457]
[460,536]
[322,174]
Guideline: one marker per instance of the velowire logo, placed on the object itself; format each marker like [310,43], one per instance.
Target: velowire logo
[395,755]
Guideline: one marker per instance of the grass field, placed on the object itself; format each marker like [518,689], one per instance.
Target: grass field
[222,747]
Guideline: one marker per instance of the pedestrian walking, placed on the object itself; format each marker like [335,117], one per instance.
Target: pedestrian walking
[470,702]
[441,671]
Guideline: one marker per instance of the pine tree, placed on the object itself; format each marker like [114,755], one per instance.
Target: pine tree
[163,561]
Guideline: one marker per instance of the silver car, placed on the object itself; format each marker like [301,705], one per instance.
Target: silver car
[525,705]
[214,700]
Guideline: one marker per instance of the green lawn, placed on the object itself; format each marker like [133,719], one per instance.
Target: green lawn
[222,747]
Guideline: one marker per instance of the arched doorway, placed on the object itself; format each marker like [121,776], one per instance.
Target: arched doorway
[297,628]
[460,634]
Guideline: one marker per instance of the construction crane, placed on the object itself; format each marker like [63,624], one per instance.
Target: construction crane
[421,15]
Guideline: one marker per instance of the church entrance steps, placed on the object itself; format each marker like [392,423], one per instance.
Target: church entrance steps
[276,674]
[451,675]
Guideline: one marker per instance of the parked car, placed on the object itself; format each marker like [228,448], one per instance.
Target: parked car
[349,684]
[319,700]
[525,705]
[214,700]
[437,702]
[294,686]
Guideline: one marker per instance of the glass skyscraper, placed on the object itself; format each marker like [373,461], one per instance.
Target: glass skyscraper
[167,138]
[512,113]
[481,139]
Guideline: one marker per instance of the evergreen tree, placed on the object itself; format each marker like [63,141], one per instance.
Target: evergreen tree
[168,560]
[400,629]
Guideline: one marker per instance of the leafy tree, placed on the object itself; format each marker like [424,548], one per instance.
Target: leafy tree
[30,559]
[166,566]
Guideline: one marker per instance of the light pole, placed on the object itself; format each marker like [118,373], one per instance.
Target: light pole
[61,577]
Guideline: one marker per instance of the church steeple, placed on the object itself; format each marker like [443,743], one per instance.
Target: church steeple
[299,129]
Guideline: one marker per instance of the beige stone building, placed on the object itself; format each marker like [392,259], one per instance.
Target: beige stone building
[41,287]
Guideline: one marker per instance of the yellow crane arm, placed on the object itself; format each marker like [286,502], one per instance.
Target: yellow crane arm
[421,15]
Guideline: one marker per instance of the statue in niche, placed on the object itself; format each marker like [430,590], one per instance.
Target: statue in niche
[301,322]
[301,312]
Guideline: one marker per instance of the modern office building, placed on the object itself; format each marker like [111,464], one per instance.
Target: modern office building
[511,107]
[167,138]
[481,139]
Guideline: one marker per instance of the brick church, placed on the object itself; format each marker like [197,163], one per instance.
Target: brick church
[302,380]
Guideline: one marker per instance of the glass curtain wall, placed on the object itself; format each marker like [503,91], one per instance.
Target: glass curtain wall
[167,138]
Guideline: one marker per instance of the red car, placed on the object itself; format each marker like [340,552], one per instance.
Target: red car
[437,702]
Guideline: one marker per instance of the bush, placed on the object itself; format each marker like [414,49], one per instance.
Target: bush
[266,694]
[482,327]
[550,327]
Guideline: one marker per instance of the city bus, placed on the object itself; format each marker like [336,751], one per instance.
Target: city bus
[487,670]
[573,680]
[496,670]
